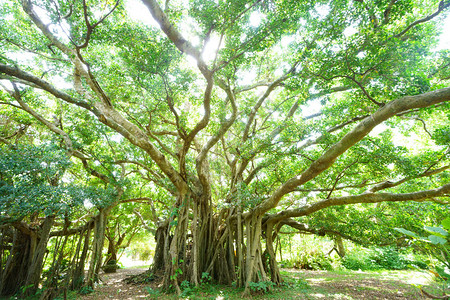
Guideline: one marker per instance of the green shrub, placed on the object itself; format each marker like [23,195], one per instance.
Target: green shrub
[313,260]
[388,258]
[261,287]
[186,288]
[152,292]
[85,290]
[359,260]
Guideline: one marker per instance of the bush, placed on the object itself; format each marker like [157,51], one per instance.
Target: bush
[388,258]
[359,260]
[85,290]
[186,289]
[152,292]
[313,260]
[261,287]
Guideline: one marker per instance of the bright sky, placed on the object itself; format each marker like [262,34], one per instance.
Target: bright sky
[139,12]
[445,36]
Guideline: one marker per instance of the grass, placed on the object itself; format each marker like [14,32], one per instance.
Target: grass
[301,284]
[138,267]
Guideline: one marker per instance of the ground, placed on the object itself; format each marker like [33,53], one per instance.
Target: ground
[301,284]
[112,286]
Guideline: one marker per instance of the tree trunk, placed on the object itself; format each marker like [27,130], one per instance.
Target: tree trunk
[97,247]
[78,272]
[176,263]
[254,269]
[24,264]
[196,245]
[112,252]
[339,244]
[273,265]
[35,268]
[15,270]
[158,259]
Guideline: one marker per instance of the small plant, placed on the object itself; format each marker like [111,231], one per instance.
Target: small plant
[71,295]
[261,287]
[85,290]
[178,271]
[186,289]
[153,293]
[150,277]
[23,289]
[302,284]
[313,260]
[206,278]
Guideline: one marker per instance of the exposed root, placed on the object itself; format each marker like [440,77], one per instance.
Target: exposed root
[445,297]
[146,277]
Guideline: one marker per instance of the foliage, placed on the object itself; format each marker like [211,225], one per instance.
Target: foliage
[141,251]
[313,260]
[206,277]
[153,293]
[85,290]
[438,245]
[389,258]
[261,287]
[377,258]
[30,183]
[186,288]
[26,181]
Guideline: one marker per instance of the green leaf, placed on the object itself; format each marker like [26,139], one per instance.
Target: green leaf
[407,232]
[436,230]
[443,272]
[434,239]
[446,223]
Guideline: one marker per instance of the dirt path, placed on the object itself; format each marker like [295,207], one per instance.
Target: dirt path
[113,287]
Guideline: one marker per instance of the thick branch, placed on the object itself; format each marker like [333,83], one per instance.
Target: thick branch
[214,139]
[389,184]
[95,173]
[53,127]
[109,116]
[387,12]
[304,228]
[28,8]
[137,213]
[308,209]
[351,138]
[35,81]
[261,100]
[174,35]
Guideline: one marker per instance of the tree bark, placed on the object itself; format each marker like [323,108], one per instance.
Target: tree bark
[78,272]
[273,265]
[158,259]
[97,247]
[339,244]
[15,269]
[35,268]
